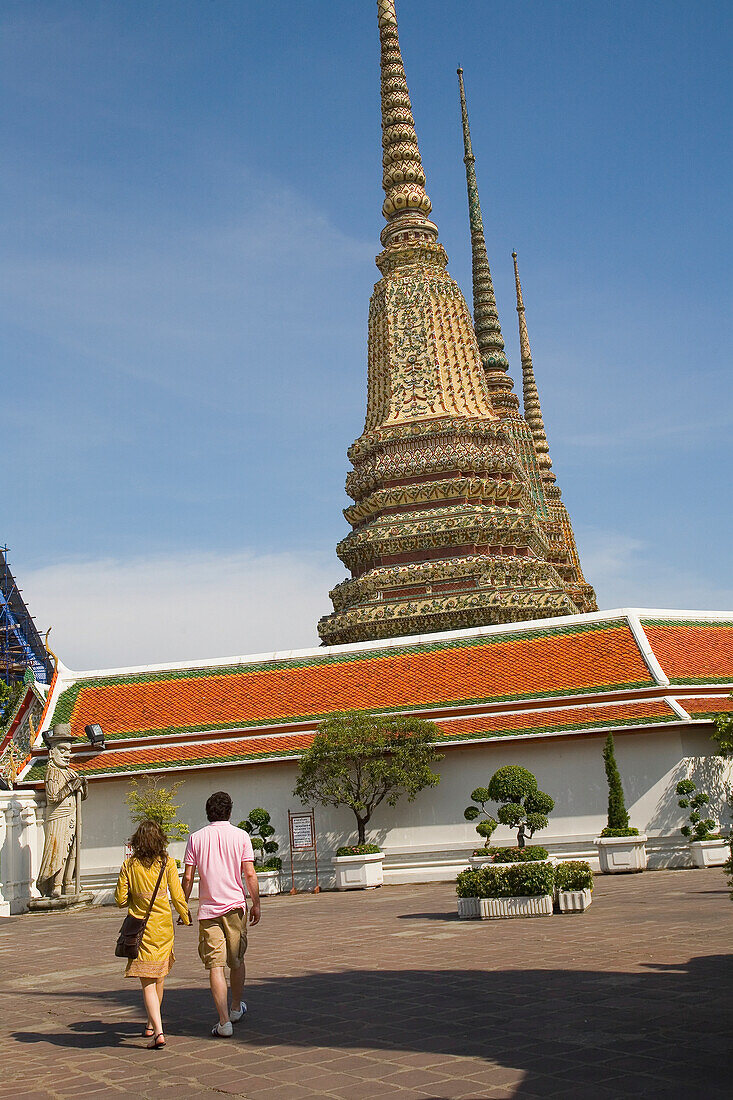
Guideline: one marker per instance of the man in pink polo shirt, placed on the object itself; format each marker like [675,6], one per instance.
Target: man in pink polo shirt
[222,854]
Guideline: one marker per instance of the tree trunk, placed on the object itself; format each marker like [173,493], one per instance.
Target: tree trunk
[520,837]
[361,826]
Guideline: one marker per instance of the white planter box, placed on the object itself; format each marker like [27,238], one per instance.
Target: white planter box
[481,861]
[619,854]
[709,853]
[469,908]
[269,882]
[359,872]
[499,908]
[574,901]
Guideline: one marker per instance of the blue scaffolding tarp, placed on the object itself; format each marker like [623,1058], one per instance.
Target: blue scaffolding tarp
[21,646]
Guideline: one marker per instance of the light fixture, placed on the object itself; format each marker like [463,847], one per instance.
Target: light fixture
[95,736]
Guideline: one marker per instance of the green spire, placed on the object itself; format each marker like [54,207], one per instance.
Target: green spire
[485,313]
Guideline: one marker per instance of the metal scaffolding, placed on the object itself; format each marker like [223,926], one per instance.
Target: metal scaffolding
[21,646]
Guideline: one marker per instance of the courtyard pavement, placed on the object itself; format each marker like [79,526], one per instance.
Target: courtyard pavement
[385,993]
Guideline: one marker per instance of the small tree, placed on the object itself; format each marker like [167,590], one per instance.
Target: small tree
[723,733]
[260,830]
[486,827]
[522,805]
[692,800]
[148,801]
[618,818]
[361,760]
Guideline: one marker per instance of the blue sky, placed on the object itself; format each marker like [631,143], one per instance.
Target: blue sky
[191,198]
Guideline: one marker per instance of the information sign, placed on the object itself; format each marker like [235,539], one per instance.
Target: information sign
[302,832]
[302,827]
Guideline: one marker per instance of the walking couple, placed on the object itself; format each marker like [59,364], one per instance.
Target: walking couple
[223,855]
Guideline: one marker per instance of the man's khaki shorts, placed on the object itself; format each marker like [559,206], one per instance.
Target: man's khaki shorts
[223,940]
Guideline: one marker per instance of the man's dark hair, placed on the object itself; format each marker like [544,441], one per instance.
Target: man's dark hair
[219,806]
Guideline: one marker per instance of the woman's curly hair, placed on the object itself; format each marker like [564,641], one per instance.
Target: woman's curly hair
[149,843]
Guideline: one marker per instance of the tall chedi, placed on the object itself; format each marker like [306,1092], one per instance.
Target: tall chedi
[527,432]
[565,549]
[445,528]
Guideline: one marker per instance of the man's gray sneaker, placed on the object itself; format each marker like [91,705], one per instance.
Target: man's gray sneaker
[222,1031]
[237,1013]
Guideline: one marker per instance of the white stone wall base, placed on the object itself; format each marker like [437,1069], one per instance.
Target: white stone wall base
[502,908]
[709,853]
[359,872]
[574,901]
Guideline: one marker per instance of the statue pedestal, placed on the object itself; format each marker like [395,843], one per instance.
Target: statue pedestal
[63,904]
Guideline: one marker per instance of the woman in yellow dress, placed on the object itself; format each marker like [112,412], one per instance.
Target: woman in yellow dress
[138,876]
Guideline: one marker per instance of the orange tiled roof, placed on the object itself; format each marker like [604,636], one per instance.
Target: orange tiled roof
[707,706]
[555,661]
[245,711]
[692,652]
[561,718]
[232,750]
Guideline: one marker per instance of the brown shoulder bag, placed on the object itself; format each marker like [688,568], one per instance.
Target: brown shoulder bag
[133,928]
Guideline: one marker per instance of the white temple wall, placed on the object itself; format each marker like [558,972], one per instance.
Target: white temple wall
[426,840]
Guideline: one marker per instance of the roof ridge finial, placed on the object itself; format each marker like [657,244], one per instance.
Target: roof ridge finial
[532,409]
[485,313]
[406,203]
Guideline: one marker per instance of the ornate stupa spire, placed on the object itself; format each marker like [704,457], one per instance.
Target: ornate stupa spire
[406,201]
[564,550]
[532,410]
[485,313]
[445,528]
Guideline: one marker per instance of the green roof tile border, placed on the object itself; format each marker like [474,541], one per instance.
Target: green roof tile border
[715,624]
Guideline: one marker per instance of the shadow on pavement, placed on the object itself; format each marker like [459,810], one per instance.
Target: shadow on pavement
[574,1033]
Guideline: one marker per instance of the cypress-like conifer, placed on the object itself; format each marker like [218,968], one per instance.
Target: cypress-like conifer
[618,817]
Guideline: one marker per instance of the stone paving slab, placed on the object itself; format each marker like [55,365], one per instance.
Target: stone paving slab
[384,993]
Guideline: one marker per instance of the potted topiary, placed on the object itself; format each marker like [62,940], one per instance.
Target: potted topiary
[361,760]
[708,849]
[514,890]
[621,848]
[267,864]
[522,806]
[485,828]
[573,886]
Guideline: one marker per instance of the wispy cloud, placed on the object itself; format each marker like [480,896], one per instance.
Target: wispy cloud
[174,607]
[628,572]
[109,613]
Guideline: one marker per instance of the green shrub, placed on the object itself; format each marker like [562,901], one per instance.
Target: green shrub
[260,831]
[148,801]
[629,831]
[575,874]
[358,850]
[692,799]
[516,855]
[618,817]
[528,881]
[522,806]
[486,827]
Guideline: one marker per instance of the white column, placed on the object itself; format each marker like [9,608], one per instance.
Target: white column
[19,853]
[5,796]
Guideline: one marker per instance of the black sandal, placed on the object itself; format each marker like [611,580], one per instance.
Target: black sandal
[148,1031]
[155,1045]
